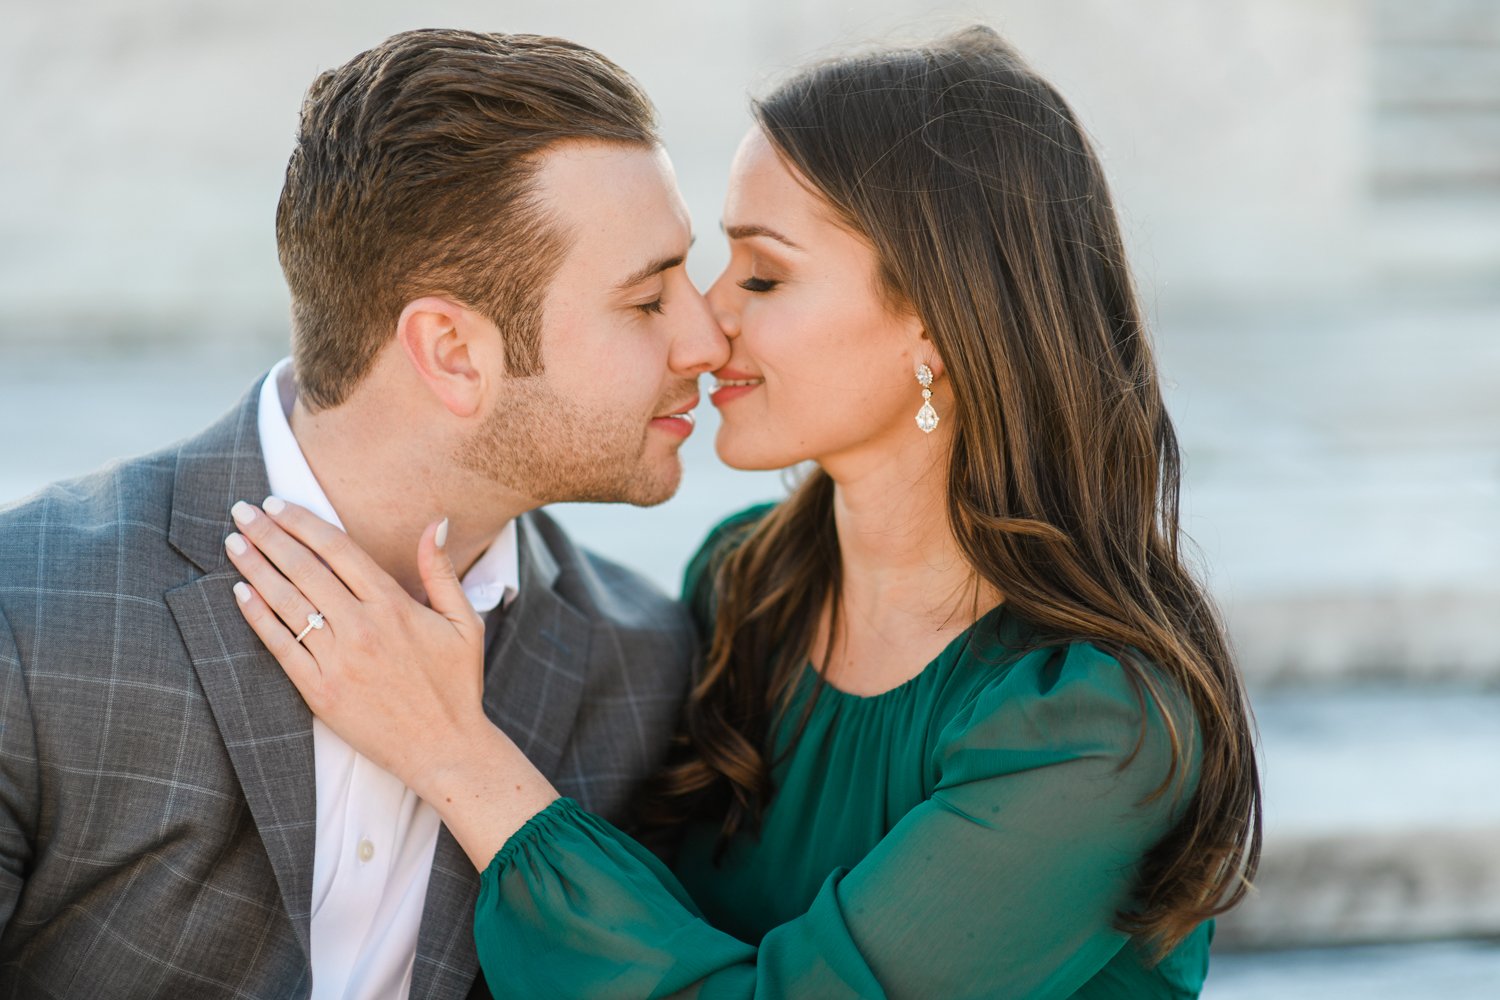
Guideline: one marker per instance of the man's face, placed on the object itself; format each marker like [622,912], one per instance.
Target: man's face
[625,336]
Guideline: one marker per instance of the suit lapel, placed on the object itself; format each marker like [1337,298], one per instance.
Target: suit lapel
[265,726]
[535,668]
[535,675]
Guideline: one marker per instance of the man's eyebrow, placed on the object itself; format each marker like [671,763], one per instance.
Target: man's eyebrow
[747,231]
[654,268]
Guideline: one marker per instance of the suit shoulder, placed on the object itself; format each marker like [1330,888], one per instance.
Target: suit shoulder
[128,496]
[83,536]
[603,589]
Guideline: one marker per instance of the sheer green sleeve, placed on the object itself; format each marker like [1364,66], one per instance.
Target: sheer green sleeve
[1005,883]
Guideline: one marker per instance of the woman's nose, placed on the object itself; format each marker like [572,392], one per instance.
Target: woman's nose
[722,303]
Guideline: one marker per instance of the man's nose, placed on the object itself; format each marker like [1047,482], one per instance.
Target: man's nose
[698,344]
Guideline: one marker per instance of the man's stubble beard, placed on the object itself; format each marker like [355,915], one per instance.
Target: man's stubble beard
[552,450]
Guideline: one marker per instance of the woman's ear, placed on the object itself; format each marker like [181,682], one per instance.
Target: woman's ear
[925,352]
[443,342]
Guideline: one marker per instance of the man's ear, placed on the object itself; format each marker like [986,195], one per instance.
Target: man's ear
[447,346]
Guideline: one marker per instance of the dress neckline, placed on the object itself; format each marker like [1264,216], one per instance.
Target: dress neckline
[990,619]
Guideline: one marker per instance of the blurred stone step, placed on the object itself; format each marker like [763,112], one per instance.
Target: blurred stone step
[1438,636]
[1439,970]
[1438,147]
[1382,818]
[1436,239]
[1474,22]
[1342,482]
[1354,888]
[1437,76]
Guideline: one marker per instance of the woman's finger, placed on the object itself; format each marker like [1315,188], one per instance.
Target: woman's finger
[295,562]
[361,574]
[445,594]
[299,664]
[276,592]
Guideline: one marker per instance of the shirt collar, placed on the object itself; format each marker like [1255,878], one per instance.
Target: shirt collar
[493,579]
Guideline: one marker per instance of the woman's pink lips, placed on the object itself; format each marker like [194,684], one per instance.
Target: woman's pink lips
[733,375]
[730,392]
[725,393]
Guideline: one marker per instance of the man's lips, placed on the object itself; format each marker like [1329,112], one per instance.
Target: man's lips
[679,420]
[683,410]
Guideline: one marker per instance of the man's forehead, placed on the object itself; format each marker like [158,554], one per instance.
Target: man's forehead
[620,206]
[592,172]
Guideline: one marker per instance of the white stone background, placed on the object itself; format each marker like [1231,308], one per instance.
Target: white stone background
[145,140]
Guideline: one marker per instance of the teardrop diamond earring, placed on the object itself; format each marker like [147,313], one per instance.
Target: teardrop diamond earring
[927,417]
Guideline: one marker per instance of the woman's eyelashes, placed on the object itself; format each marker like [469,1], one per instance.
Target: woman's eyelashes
[754,284]
[653,308]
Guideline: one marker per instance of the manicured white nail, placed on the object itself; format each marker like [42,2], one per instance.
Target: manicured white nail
[242,592]
[274,505]
[242,513]
[442,534]
[236,543]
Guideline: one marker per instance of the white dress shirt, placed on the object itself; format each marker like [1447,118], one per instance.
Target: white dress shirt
[375,837]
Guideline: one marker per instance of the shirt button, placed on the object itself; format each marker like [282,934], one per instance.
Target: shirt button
[366,850]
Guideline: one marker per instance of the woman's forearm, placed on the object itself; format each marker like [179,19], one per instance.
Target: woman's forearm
[484,789]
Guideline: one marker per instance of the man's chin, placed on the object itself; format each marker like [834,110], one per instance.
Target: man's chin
[653,501]
[654,494]
[641,490]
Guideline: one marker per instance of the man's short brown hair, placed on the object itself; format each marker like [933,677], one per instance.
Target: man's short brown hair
[412,176]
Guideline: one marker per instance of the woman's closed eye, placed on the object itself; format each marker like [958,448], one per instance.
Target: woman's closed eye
[754,284]
[654,308]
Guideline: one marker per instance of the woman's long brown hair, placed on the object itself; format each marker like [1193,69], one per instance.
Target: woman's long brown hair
[991,219]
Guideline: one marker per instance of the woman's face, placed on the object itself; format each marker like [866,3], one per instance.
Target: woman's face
[820,367]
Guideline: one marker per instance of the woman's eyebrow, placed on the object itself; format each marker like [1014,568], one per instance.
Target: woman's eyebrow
[747,231]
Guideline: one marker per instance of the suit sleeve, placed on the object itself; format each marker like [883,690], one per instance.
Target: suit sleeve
[18,775]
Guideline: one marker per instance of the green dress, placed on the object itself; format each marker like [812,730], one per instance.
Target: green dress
[970,833]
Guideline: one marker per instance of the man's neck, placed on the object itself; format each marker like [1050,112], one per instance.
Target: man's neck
[387,487]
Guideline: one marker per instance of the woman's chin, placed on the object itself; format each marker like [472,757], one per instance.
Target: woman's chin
[752,456]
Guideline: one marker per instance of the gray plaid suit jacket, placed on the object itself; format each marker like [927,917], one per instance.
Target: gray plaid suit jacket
[156,767]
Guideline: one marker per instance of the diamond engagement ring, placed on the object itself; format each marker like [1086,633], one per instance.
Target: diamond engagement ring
[314,620]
